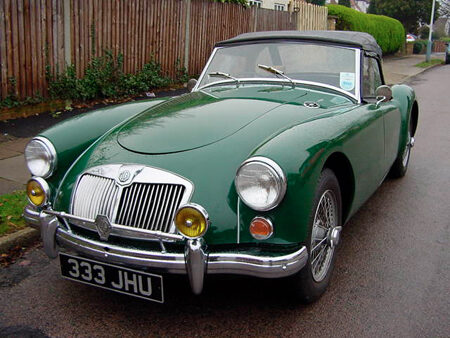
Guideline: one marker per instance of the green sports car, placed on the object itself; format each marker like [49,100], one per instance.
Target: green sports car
[253,172]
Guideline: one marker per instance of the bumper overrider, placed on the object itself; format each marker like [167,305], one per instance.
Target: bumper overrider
[196,261]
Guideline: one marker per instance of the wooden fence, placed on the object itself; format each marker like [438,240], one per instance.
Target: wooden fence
[40,35]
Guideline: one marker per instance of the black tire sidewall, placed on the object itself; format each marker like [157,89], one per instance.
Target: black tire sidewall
[306,288]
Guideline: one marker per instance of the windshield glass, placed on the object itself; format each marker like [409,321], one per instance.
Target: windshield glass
[331,65]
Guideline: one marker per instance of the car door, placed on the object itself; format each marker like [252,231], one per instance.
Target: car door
[388,110]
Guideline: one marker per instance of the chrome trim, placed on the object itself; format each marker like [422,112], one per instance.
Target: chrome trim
[201,210]
[205,68]
[116,229]
[31,215]
[278,171]
[238,216]
[45,188]
[141,175]
[271,228]
[196,261]
[51,150]
[277,81]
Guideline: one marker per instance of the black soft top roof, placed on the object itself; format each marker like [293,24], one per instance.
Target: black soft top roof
[357,39]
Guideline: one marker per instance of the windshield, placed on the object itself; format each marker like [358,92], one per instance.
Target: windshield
[330,65]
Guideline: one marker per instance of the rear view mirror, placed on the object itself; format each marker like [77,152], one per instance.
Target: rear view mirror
[191,84]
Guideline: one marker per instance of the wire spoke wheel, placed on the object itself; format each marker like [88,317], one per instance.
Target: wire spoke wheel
[325,220]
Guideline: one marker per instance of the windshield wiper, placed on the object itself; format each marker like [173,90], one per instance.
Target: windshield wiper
[277,72]
[228,76]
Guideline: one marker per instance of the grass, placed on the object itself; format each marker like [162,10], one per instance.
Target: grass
[11,208]
[429,64]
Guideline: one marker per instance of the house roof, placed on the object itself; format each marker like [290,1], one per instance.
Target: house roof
[357,39]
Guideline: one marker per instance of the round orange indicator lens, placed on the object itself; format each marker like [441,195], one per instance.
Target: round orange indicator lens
[261,228]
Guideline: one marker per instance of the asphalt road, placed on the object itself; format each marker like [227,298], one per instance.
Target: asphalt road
[392,275]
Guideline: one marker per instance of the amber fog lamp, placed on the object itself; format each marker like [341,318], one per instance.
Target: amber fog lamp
[261,228]
[192,220]
[37,191]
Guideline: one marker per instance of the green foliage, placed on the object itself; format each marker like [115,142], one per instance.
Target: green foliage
[345,3]
[11,208]
[104,78]
[239,2]
[388,32]
[446,39]
[410,13]
[420,46]
[12,100]
[317,2]
[432,62]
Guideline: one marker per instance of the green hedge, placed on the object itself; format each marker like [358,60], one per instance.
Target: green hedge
[388,32]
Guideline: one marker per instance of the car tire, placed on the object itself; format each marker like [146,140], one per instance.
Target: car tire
[400,165]
[311,282]
[447,60]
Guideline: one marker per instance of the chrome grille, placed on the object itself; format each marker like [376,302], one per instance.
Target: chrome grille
[146,206]
[95,196]
[149,206]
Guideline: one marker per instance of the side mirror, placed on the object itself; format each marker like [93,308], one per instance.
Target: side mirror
[191,84]
[383,94]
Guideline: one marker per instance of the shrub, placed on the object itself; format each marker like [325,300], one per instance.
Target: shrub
[104,78]
[420,46]
[388,32]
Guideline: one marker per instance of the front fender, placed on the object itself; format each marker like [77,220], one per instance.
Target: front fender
[72,136]
[405,98]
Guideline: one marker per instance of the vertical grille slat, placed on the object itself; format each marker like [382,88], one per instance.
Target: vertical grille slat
[148,206]
[148,214]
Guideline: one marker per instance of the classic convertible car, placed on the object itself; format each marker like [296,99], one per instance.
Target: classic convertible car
[253,172]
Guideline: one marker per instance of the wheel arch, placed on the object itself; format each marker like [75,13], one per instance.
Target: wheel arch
[342,168]
[414,117]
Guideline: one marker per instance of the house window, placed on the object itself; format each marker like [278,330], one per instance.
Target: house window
[256,3]
[279,7]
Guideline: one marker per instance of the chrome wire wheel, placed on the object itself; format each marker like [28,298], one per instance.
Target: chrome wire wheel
[322,248]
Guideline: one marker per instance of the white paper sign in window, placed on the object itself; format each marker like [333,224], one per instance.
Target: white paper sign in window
[347,81]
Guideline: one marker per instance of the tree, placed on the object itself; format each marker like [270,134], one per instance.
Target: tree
[411,13]
[345,3]
[317,2]
[240,2]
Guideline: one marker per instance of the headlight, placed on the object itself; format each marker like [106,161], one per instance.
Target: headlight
[260,183]
[40,155]
[37,191]
[192,220]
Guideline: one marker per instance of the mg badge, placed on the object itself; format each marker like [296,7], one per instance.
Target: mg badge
[103,227]
[124,176]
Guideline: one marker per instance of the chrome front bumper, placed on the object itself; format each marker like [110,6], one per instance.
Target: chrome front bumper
[196,261]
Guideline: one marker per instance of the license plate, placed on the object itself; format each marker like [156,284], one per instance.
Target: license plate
[112,277]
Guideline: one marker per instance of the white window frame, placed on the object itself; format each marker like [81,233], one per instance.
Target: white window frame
[279,7]
[257,3]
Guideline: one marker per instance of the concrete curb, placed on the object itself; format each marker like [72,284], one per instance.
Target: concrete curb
[408,78]
[20,238]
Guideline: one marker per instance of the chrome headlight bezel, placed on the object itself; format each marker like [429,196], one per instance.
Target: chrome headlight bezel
[48,156]
[275,170]
[45,188]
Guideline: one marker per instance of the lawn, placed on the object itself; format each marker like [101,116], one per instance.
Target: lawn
[11,208]
[432,62]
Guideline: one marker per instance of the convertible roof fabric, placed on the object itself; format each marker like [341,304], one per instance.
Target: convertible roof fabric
[357,39]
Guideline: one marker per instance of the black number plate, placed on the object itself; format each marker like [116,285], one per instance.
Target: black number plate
[112,277]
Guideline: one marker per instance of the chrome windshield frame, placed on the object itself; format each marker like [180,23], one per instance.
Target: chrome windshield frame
[356,96]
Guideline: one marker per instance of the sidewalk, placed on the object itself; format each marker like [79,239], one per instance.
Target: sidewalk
[400,69]
[14,175]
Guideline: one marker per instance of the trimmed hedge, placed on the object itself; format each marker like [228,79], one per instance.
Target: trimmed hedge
[388,32]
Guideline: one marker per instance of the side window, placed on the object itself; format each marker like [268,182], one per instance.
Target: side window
[371,76]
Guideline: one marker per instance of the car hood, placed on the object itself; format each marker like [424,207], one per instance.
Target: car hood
[198,119]
[254,116]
